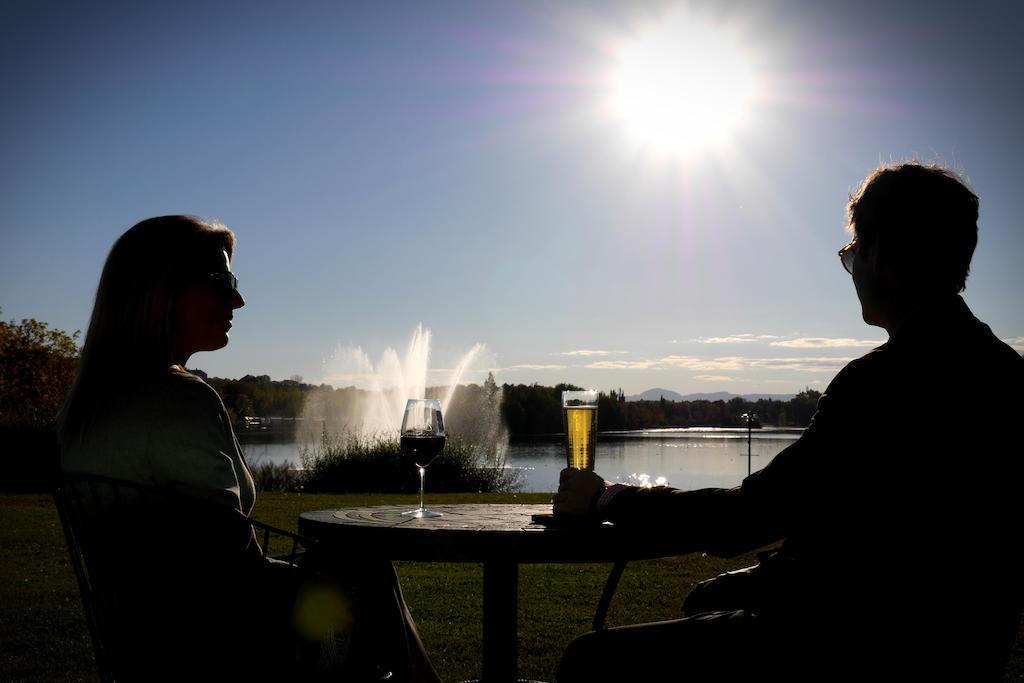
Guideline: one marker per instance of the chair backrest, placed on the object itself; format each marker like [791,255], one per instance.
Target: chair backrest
[72,521]
[131,547]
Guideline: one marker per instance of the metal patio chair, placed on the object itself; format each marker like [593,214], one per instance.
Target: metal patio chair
[105,520]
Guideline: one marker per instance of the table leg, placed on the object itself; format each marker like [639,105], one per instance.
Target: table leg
[501,588]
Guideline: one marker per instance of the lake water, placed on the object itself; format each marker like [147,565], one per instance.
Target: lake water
[684,458]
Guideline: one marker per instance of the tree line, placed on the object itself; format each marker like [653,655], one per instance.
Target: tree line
[527,410]
[534,409]
[260,396]
[38,365]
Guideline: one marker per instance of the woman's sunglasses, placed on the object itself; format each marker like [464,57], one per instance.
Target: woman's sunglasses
[224,282]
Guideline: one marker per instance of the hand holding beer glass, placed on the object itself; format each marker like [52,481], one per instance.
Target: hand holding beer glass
[577,488]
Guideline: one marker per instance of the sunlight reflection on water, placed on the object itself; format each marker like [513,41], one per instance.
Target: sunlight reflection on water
[685,459]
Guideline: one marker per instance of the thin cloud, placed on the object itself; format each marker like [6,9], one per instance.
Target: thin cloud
[1016,342]
[788,383]
[532,366]
[796,343]
[826,364]
[736,339]
[711,366]
[714,378]
[701,364]
[622,364]
[589,352]
[825,343]
[739,339]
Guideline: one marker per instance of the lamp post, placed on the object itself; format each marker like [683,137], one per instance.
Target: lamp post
[750,418]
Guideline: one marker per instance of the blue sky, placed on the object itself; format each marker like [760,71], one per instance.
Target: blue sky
[457,165]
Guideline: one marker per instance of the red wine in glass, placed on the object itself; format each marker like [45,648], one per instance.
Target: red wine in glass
[422,450]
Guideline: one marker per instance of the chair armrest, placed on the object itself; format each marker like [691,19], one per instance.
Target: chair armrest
[296,539]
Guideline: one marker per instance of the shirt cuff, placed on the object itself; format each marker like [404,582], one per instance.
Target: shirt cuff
[606,497]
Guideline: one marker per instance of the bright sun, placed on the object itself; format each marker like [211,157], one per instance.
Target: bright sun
[682,86]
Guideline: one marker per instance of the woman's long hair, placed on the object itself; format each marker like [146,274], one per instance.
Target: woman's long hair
[131,330]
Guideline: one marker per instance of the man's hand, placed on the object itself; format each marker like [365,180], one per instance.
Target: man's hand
[577,490]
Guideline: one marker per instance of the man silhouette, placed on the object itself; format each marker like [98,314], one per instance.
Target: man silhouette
[897,508]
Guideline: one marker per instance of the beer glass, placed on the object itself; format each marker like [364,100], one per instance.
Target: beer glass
[579,418]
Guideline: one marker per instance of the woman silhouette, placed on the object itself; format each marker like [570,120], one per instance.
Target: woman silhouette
[135,414]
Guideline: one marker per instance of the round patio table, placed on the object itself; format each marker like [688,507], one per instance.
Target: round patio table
[501,537]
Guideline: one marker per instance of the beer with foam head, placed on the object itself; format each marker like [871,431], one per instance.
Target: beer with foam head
[579,417]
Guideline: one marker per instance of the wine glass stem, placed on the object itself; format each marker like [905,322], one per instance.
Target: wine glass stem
[423,473]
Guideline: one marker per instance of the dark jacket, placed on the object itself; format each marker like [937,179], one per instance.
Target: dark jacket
[898,507]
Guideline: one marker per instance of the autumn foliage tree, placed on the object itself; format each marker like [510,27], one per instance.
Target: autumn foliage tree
[37,367]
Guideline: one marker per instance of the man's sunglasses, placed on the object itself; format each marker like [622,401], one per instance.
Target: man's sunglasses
[846,255]
[224,282]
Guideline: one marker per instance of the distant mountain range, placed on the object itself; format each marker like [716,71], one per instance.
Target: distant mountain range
[657,394]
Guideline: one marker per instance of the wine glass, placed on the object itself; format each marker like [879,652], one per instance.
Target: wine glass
[422,438]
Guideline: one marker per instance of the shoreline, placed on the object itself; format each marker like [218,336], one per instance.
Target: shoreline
[662,432]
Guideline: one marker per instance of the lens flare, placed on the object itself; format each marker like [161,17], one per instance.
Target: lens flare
[322,611]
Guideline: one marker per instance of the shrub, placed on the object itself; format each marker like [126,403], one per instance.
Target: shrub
[361,464]
[282,477]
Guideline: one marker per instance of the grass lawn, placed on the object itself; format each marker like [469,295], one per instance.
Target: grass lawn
[43,634]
